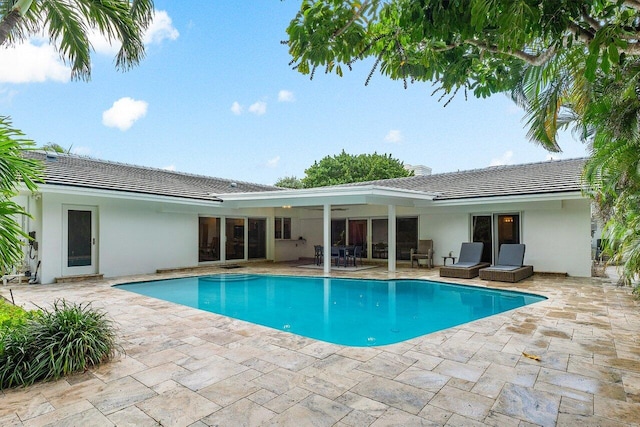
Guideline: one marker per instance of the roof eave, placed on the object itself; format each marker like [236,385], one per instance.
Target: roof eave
[512,198]
[118,194]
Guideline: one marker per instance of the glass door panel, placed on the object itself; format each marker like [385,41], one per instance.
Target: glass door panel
[406,237]
[257,238]
[358,234]
[508,226]
[338,232]
[235,238]
[209,239]
[79,240]
[379,238]
[481,232]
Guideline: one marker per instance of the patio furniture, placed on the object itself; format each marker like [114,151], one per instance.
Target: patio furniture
[510,266]
[318,254]
[424,254]
[469,263]
[353,254]
[446,257]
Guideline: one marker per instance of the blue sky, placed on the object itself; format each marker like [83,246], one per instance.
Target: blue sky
[215,96]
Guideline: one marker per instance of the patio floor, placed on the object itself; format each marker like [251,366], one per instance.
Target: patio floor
[186,367]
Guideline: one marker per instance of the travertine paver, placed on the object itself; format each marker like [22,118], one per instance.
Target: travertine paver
[183,366]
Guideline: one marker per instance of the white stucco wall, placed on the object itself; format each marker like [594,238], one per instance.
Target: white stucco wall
[142,236]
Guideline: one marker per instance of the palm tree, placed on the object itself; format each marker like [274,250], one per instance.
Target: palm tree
[14,168]
[605,113]
[68,23]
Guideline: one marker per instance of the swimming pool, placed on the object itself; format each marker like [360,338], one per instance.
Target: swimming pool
[352,312]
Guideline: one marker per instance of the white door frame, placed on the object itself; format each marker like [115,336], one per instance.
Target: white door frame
[92,268]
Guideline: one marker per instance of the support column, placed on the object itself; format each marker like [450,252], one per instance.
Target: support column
[391,254]
[326,238]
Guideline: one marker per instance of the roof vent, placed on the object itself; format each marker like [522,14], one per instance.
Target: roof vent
[233,185]
[51,156]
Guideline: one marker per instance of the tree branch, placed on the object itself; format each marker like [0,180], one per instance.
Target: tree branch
[352,20]
[535,60]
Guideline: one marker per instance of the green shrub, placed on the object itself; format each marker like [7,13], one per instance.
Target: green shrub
[12,315]
[66,339]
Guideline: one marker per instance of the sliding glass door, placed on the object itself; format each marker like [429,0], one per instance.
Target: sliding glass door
[257,238]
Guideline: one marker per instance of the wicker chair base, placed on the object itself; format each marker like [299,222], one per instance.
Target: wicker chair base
[507,276]
[462,272]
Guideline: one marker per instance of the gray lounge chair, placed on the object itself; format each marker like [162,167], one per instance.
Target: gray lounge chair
[469,263]
[509,267]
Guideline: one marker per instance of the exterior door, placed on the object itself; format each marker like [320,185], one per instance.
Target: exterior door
[79,240]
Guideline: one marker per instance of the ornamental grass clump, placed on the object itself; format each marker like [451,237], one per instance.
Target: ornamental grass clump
[66,339]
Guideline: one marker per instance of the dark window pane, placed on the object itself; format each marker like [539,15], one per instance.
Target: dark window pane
[79,238]
[209,239]
[257,238]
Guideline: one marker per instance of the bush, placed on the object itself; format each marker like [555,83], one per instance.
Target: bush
[66,339]
[11,316]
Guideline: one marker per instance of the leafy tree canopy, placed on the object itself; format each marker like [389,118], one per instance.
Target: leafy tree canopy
[479,45]
[347,168]
[289,182]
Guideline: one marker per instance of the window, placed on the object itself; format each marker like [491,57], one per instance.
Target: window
[282,228]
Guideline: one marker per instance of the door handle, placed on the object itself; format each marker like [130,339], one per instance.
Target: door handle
[93,241]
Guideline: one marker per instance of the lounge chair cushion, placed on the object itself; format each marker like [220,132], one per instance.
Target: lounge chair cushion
[464,264]
[470,253]
[511,254]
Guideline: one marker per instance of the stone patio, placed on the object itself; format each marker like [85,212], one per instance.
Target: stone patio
[186,367]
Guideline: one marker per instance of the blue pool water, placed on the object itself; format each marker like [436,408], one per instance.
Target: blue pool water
[352,312]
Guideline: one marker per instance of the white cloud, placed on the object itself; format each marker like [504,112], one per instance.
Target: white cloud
[32,61]
[124,112]
[273,163]
[286,96]
[394,136]
[6,95]
[161,28]
[258,108]
[81,151]
[236,108]
[553,156]
[170,168]
[505,159]
[37,61]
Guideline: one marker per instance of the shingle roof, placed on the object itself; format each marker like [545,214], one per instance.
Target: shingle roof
[77,171]
[533,178]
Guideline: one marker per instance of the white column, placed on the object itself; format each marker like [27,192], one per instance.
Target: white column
[326,238]
[391,254]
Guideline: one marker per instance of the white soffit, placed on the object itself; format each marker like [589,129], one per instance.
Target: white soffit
[369,194]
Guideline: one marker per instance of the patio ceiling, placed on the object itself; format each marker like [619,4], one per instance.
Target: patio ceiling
[369,194]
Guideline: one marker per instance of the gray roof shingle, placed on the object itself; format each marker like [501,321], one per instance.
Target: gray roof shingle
[533,178]
[553,176]
[77,171]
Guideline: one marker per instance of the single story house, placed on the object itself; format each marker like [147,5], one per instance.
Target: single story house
[97,217]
